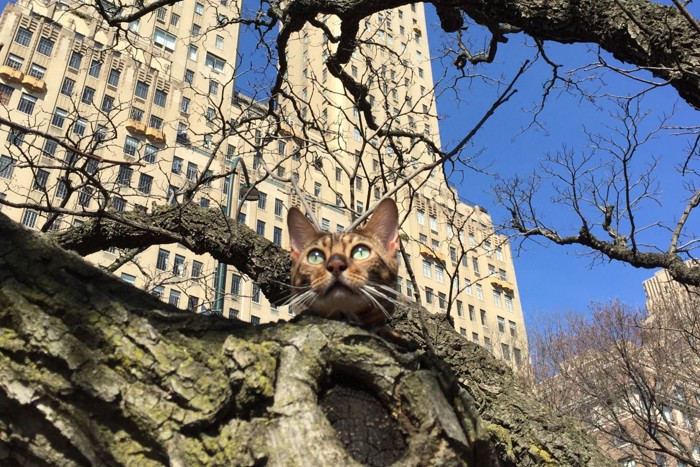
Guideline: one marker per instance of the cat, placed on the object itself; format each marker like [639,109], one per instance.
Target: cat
[349,275]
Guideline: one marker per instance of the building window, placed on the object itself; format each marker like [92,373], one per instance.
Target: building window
[59,117]
[214,62]
[164,39]
[513,328]
[124,175]
[45,46]
[472,313]
[505,350]
[150,154]
[475,266]
[499,253]
[88,95]
[95,68]
[262,201]
[61,189]
[26,104]
[14,61]
[155,122]
[198,9]
[325,225]
[480,292]
[192,170]
[501,324]
[76,59]
[29,218]
[136,114]
[131,145]
[509,302]
[23,36]
[213,87]
[192,303]
[145,183]
[37,71]
[141,90]
[439,274]
[254,320]
[497,298]
[428,295]
[278,207]
[460,308]
[174,297]
[185,105]
[162,260]
[107,103]
[260,228]
[80,126]
[15,137]
[196,269]
[219,42]
[189,76]
[317,189]
[50,147]
[179,265]
[517,356]
[277,236]
[160,97]
[256,293]
[67,86]
[119,204]
[427,268]
[5,94]
[338,174]
[176,166]
[85,196]
[192,53]
[235,284]
[442,300]
[40,178]
[113,79]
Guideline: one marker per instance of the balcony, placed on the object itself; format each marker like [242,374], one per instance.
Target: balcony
[155,135]
[10,74]
[136,127]
[34,84]
[436,255]
[500,283]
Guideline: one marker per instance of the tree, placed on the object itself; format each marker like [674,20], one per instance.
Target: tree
[631,377]
[97,372]
[657,38]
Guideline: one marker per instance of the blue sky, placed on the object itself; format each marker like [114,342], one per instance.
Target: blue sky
[553,279]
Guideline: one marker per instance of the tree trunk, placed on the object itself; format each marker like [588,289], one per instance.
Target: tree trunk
[96,372]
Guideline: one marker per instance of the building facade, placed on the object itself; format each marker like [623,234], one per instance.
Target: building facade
[112,120]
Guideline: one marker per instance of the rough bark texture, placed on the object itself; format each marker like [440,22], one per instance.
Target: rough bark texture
[96,372]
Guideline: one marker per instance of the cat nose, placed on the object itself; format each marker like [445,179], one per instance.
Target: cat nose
[336,265]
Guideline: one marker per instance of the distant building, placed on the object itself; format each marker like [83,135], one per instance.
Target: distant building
[148,116]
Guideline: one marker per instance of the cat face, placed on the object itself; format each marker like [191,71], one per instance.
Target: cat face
[351,275]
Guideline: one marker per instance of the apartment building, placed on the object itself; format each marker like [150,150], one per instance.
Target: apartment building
[139,118]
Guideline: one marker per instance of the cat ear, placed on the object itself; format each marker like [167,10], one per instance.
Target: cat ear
[301,232]
[384,225]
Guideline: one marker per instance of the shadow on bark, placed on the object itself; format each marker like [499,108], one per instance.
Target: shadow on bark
[96,372]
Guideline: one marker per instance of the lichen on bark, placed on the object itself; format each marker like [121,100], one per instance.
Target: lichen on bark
[95,372]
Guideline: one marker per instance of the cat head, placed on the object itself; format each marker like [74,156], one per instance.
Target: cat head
[351,273]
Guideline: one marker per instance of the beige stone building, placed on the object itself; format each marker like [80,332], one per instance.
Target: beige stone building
[130,119]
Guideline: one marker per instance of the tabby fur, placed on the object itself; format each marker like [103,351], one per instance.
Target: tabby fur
[328,281]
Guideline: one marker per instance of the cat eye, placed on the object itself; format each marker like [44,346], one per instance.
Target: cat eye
[360,252]
[316,257]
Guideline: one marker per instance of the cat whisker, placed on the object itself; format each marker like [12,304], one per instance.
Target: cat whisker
[369,293]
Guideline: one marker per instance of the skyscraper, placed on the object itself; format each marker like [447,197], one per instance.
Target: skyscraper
[139,118]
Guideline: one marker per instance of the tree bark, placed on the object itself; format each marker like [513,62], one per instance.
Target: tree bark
[96,372]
